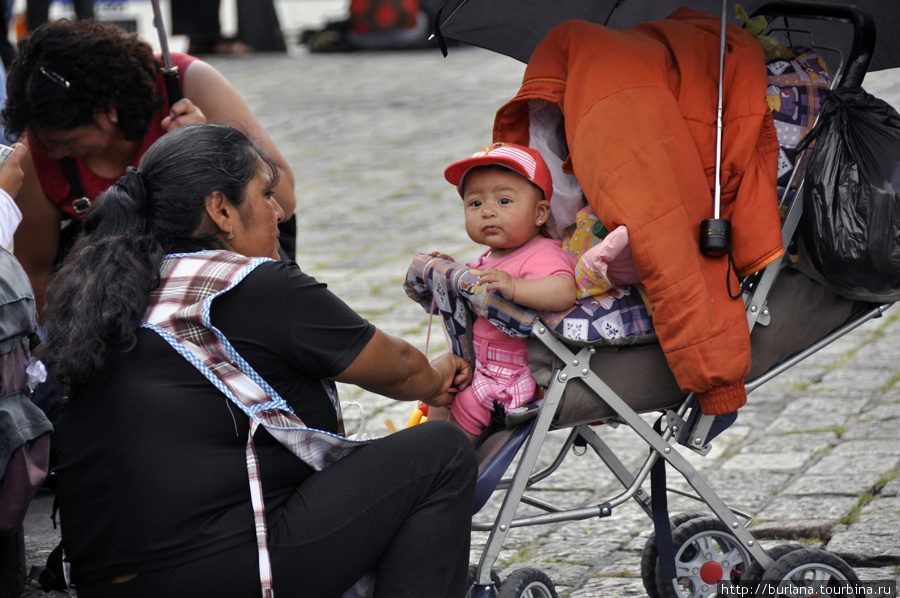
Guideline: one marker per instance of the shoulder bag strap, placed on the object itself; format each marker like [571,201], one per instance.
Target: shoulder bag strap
[82,202]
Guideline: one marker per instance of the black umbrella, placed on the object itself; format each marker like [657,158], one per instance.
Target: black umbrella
[515,27]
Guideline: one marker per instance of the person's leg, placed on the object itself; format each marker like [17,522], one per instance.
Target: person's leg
[197,17]
[258,26]
[36,13]
[84,9]
[199,20]
[401,506]
[232,572]
[7,48]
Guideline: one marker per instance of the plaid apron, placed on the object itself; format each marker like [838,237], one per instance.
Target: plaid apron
[179,312]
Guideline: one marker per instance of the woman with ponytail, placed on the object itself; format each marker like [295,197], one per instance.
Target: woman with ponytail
[201,447]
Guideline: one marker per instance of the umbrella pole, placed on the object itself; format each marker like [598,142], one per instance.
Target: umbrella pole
[718,188]
[170,73]
[715,233]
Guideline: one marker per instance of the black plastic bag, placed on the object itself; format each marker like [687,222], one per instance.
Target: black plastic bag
[851,196]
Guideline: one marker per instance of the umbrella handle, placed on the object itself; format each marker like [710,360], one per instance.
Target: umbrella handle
[436,32]
[173,90]
[863,44]
[170,73]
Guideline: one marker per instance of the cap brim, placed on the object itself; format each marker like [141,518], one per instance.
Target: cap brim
[456,172]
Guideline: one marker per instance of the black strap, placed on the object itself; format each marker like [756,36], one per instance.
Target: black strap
[728,277]
[82,202]
[661,525]
[70,171]
[497,423]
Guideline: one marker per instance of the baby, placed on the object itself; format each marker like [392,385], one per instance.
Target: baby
[506,191]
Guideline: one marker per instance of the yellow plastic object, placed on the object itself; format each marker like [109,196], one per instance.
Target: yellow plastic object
[420,415]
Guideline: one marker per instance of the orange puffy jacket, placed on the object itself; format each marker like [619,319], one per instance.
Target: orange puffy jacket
[639,109]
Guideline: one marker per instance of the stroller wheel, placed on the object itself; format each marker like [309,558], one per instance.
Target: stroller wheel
[650,554]
[706,553]
[471,590]
[811,570]
[754,573]
[527,583]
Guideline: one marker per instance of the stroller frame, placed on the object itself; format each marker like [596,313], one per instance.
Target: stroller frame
[691,432]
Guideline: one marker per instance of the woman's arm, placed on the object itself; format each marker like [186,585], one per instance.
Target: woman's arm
[36,240]
[392,367]
[219,102]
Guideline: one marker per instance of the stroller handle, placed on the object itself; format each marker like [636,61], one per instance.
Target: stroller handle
[863,31]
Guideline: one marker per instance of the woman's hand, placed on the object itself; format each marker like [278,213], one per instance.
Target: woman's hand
[11,173]
[455,374]
[183,112]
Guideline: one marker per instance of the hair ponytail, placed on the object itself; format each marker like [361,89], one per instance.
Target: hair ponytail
[102,288]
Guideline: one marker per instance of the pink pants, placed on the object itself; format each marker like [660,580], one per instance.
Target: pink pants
[501,374]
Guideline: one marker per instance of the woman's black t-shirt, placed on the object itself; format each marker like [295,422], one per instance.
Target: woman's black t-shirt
[152,468]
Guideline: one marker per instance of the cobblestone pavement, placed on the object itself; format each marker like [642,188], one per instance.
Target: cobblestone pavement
[815,453]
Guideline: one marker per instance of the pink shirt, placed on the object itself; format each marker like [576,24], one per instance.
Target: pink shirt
[539,258]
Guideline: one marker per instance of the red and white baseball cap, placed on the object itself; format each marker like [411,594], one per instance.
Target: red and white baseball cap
[523,160]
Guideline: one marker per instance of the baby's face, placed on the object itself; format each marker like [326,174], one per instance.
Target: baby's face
[503,209]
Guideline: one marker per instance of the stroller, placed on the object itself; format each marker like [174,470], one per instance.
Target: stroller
[587,383]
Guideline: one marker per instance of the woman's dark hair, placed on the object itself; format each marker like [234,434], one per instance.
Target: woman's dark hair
[97,299]
[65,71]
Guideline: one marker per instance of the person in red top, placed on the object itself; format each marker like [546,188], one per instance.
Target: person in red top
[93,93]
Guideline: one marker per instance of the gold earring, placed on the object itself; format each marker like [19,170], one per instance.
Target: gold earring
[230,233]
[114,120]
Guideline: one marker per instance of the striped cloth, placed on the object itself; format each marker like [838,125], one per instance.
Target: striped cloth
[797,85]
[179,312]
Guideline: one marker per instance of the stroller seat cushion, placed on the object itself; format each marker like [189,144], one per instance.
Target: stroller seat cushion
[802,312]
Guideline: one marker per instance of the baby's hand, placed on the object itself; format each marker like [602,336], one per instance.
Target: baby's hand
[442,256]
[498,280]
